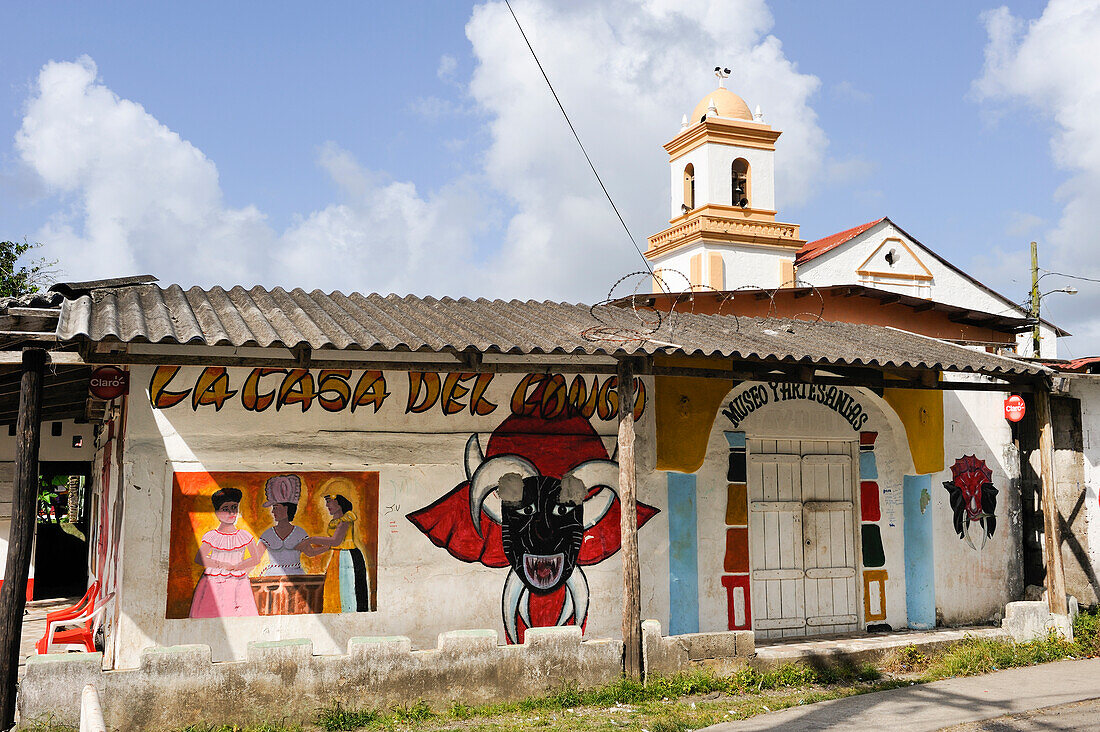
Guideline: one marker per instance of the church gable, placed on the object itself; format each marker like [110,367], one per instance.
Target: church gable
[894,262]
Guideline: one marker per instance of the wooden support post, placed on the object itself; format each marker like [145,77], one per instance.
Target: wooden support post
[628,524]
[13,592]
[1052,530]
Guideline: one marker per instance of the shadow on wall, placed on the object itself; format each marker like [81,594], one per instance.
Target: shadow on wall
[973,583]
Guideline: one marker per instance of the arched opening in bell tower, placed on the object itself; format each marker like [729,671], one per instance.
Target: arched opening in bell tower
[739,180]
[689,187]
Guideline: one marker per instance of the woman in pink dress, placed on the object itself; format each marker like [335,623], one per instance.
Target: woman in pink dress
[226,554]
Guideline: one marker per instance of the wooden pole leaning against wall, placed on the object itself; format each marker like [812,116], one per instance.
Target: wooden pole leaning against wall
[1052,529]
[13,592]
[628,526]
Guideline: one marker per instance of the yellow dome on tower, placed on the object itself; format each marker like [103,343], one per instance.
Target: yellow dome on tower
[727,103]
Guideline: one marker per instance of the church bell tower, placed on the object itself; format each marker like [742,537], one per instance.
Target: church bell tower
[723,233]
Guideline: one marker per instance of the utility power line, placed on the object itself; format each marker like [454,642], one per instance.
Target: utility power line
[577,137]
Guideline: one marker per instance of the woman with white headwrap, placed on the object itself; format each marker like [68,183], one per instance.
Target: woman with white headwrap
[284,541]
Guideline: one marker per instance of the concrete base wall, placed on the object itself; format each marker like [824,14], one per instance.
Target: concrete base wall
[1031,620]
[283,680]
[721,652]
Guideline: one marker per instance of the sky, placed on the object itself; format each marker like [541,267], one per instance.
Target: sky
[414,148]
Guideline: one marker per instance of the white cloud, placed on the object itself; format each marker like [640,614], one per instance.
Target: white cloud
[848,90]
[433,108]
[447,66]
[136,197]
[626,72]
[1051,65]
[384,235]
[1021,223]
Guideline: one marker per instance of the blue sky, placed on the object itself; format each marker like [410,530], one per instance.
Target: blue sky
[412,146]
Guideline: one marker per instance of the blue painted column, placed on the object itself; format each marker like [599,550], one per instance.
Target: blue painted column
[683,555]
[920,573]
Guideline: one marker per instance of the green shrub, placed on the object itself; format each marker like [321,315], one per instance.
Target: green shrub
[418,712]
[1086,632]
[336,718]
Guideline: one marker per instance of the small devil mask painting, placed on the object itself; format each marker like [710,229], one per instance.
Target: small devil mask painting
[541,499]
[973,499]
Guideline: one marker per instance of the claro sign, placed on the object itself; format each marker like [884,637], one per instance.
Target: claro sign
[108,382]
[1014,408]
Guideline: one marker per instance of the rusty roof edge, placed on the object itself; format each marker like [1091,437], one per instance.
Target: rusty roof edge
[1018,366]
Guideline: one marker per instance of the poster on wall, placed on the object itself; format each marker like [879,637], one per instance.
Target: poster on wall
[278,543]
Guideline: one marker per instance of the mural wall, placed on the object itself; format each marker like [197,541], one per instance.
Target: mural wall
[249,543]
[479,501]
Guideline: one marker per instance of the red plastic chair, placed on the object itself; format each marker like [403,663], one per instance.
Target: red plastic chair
[81,635]
[67,614]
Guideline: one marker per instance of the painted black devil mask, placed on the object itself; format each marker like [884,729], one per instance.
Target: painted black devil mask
[973,498]
[542,521]
[541,528]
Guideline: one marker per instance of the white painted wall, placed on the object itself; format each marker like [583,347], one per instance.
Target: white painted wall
[1087,389]
[973,585]
[422,590]
[839,266]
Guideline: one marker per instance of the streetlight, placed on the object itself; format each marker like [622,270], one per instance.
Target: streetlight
[1036,297]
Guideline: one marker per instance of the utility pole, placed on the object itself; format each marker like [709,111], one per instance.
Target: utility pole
[1035,299]
[628,524]
[13,592]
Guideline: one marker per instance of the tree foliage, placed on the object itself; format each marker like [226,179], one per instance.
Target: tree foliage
[20,275]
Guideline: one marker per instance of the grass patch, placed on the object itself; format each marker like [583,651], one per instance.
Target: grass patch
[693,700]
[46,724]
[972,656]
[262,727]
[664,703]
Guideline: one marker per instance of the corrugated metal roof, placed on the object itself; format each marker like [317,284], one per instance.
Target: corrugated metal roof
[259,317]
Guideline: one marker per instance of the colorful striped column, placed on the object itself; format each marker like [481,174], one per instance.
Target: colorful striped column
[736,562]
[870,514]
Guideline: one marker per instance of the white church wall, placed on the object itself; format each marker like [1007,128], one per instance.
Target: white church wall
[840,266]
[761,175]
[699,159]
[742,266]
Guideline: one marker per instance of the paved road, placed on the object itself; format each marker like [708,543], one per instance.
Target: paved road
[1004,698]
[1079,716]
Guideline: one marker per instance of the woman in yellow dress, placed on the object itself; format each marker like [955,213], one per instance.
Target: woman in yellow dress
[347,576]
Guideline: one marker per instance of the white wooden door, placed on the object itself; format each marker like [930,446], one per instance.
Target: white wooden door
[829,554]
[775,534]
[802,539]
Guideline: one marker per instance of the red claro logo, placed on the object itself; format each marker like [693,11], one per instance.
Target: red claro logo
[108,382]
[1014,408]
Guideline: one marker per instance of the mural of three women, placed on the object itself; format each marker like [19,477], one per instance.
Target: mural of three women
[314,556]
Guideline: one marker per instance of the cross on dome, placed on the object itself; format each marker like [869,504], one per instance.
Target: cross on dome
[722,74]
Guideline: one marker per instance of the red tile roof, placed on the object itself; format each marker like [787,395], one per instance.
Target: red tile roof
[814,249]
[1087,365]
